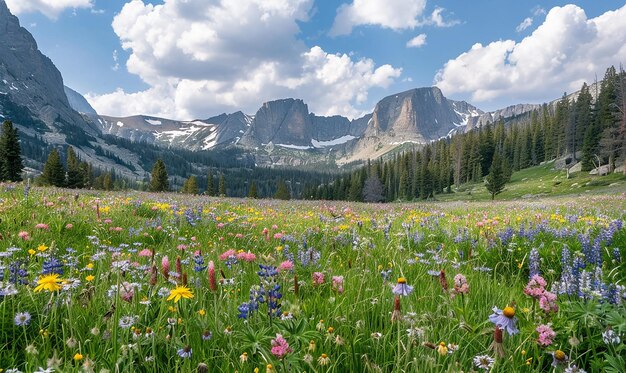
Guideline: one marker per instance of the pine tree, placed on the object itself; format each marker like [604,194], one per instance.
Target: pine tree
[373,189]
[209,185]
[159,179]
[191,185]
[10,153]
[53,170]
[496,179]
[75,176]
[282,192]
[252,193]
[222,186]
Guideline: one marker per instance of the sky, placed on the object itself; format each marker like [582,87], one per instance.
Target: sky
[193,59]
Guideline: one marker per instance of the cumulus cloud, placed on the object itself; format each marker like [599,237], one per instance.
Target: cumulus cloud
[436,19]
[50,8]
[393,14]
[202,58]
[526,23]
[417,41]
[565,50]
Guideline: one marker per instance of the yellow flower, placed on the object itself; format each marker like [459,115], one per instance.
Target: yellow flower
[442,349]
[89,266]
[78,356]
[42,248]
[323,359]
[90,278]
[31,252]
[180,292]
[50,283]
[202,312]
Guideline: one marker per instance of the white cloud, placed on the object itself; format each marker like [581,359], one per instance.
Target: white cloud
[417,41]
[393,14]
[526,23]
[50,8]
[562,52]
[436,19]
[202,58]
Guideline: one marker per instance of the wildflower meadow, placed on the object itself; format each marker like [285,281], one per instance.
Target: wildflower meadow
[138,282]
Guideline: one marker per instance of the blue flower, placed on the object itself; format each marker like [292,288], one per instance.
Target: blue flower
[505,319]
[185,352]
[22,318]
[402,288]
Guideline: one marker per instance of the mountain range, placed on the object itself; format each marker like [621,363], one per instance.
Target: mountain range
[281,133]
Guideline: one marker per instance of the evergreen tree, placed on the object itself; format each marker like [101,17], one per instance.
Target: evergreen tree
[191,185]
[282,192]
[10,153]
[222,185]
[53,170]
[75,176]
[496,179]
[209,185]
[373,189]
[252,193]
[159,179]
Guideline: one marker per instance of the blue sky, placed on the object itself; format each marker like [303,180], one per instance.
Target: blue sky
[341,56]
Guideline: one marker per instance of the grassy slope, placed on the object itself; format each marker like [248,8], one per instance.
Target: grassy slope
[541,181]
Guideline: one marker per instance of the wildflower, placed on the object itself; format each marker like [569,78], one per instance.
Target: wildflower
[180,292]
[165,267]
[308,358]
[547,302]
[610,337]
[402,288]
[90,278]
[396,315]
[185,352]
[496,345]
[442,280]
[320,325]
[535,287]
[311,345]
[546,335]
[212,281]
[54,362]
[49,282]
[442,349]
[280,347]
[24,235]
[460,284]
[338,284]
[71,342]
[22,319]
[269,368]
[42,226]
[505,319]
[287,265]
[31,349]
[559,358]
[323,360]
[202,368]
[483,362]
[318,278]
[42,370]
[243,357]
[78,356]
[574,369]
[126,322]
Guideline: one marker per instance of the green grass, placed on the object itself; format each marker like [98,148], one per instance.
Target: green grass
[542,181]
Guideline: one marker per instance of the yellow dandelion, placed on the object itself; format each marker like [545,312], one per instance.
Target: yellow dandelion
[78,356]
[90,278]
[180,292]
[42,248]
[49,282]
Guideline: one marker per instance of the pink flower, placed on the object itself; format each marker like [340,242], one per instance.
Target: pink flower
[220,225]
[182,247]
[287,265]
[69,226]
[239,235]
[228,253]
[274,226]
[145,252]
[280,347]
[126,291]
[212,281]
[338,284]
[318,278]
[246,257]
[24,235]
[165,267]
[546,335]
[460,284]
[535,287]
[108,221]
[278,236]
[265,231]
[42,226]
[547,302]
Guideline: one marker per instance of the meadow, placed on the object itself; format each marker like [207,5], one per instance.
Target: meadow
[139,282]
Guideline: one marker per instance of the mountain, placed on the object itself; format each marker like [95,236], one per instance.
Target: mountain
[416,116]
[224,129]
[32,95]
[79,103]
